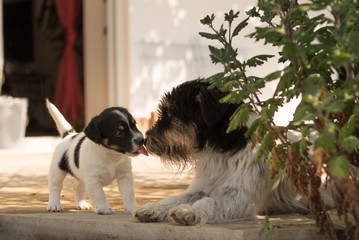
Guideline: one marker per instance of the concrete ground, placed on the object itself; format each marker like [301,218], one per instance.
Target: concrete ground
[24,196]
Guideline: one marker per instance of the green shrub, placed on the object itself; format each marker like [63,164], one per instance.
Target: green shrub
[319,47]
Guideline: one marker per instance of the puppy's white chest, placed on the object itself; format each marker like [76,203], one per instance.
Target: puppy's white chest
[107,177]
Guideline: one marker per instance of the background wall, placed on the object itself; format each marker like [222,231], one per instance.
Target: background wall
[166,49]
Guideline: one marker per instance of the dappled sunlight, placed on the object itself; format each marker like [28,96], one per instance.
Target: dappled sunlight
[30,194]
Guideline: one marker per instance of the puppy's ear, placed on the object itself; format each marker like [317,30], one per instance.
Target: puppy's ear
[211,109]
[92,131]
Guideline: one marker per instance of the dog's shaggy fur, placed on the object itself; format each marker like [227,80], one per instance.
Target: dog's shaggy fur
[228,184]
[95,157]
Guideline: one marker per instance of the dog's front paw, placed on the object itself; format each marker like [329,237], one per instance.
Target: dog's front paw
[150,212]
[184,215]
[83,205]
[104,210]
[54,207]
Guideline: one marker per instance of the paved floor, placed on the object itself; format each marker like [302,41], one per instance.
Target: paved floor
[23,201]
[23,179]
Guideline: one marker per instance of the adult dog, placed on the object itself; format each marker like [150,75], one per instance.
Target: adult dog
[95,157]
[228,184]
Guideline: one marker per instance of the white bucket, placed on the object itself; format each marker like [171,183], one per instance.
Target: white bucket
[13,120]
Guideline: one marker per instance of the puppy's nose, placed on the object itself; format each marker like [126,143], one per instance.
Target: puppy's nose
[139,140]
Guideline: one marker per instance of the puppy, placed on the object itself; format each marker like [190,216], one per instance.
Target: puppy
[95,157]
[228,184]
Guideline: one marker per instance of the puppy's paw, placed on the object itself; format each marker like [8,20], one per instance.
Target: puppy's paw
[83,205]
[104,210]
[184,215]
[130,207]
[54,207]
[150,212]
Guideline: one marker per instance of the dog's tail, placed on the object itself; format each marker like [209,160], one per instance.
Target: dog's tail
[62,125]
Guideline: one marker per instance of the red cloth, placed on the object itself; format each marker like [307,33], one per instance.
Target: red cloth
[68,93]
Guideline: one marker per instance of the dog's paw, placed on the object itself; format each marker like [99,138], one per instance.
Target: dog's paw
[83,205]
[184,215]
[54,207]
[150,212]
[104,210]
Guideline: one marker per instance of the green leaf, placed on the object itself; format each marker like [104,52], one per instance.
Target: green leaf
[234,97]
[208,20]
[331,128]
[304,112]
[326,141]
[348,128]
[312,85]
[289,50]
[307,7]
[240,26]
[336,106]
[209,35]
[350,144]
[265,147]
[356,111]
[270,35]
[286,81]
[229,17]
[253,127]
[258,60]
[272,76]
[338,167]
[239,117]
[222,55]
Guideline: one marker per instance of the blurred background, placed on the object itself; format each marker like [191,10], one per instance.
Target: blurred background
[91,54]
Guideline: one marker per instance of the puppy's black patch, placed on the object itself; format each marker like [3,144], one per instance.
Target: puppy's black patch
[65,134]
[77,151]
[64,164]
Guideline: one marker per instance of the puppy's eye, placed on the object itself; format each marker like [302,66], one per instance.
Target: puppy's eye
[120,131]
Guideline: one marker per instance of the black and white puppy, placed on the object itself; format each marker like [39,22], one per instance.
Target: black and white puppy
[95,157]
[228,184]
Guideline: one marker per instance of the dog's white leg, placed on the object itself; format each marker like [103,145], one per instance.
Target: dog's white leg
[97,196]
[80,195]
[126,186]
[158,212]
[56,178]
[211,210]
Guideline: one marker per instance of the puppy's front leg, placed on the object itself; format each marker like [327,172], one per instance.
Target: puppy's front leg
[125,184]
[81,202]
[97,196]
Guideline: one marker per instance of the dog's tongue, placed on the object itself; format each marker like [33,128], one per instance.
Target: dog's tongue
[143,150]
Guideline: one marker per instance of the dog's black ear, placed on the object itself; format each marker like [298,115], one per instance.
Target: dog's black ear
[92,131]
[211,109]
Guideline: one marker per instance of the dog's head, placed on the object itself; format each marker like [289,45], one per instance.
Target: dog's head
[190,119]
[115,128]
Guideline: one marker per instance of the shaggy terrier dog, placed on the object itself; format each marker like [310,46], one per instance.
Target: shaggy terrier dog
[228,184]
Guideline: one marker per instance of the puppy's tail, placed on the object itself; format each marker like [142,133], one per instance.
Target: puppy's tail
[62,125]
